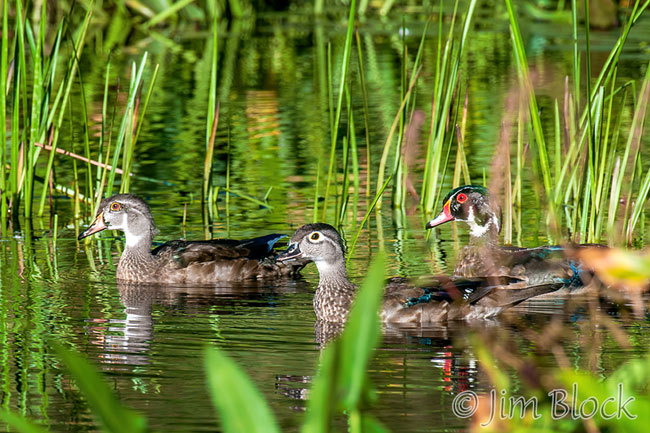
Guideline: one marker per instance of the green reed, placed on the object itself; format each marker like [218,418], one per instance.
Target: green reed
[211,124]
[445,86]
[400,170]
[527,88]
[343,196]
[61,99]
[104,147]
[364,95]
[586,156]
[4,50]
[339,104]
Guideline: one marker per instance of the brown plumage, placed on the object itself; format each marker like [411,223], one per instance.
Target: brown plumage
[183,262]
[430,300]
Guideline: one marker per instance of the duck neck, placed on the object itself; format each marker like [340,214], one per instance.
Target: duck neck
[483,228]
[137,253]
[335,292]
[334,274]
[484,239]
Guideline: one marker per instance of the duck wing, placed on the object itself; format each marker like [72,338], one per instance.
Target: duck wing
[452,298]
[185,253]
[548,264]
[443,288]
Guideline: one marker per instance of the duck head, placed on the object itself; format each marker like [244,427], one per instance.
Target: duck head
[473,205]
[127,213]
[319,243]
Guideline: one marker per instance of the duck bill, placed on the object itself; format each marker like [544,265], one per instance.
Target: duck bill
[442,218]
[97,226]
[291,253]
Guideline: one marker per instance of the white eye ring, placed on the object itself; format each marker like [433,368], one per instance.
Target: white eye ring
[315,237]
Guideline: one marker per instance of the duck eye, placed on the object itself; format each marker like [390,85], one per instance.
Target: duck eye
[115,206]
[461,198]
[314,236]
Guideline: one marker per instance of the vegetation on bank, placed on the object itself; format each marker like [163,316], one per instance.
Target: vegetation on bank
[584,160]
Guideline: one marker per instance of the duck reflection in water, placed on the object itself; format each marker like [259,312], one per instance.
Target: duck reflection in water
[128,340]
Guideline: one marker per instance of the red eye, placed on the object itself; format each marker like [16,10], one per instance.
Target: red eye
[461,198]
[115,206]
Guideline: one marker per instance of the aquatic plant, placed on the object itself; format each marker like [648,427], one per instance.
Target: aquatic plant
[587,158]
[340,386]
[38,118]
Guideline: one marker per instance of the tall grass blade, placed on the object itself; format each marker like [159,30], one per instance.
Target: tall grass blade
[389,139]
[103,169]
[20,423]
[113,416]
[445,87]
[362,334]
[59,105]
[367,215]
[633,141]
[366,123]
[526,86]
[125,135]
[4,49]
[339,104]
[239,403]
[212,120]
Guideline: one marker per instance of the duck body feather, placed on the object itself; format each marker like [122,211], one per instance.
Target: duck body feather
[423,301]
[204,262]
[182,262]
[540,265]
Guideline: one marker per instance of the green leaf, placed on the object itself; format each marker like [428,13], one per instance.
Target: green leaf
[371,425]
[103,403]
[341,378]
[361,334]
[19,423]
[239,402]
[322,395]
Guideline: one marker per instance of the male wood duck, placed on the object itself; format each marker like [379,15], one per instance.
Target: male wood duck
[483,257]
[183,262]
[441,299]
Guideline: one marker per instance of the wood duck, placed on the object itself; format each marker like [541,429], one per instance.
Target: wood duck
[441,299]
[183,262]
[483,257]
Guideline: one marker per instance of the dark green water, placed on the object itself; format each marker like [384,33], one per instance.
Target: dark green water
[149,342]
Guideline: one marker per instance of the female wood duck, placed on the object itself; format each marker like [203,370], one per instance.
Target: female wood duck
[183,262]
[483,257]
[441,300]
